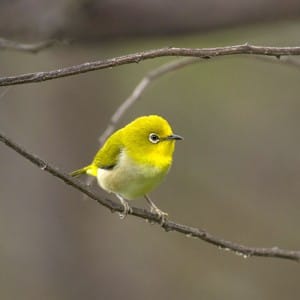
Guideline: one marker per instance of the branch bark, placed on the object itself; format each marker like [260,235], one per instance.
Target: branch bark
[168,225]
[149,54]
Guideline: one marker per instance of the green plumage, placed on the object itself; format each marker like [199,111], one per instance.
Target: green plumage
[107,156]
[131,163]
[78,172]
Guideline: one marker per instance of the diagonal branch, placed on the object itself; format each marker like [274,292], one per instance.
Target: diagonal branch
[139,89]
[149,54]
[168,225]
[289,61]
[165,69]
[33,48]
[4,92]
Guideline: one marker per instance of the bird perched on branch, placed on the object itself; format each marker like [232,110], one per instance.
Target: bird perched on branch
[134,160]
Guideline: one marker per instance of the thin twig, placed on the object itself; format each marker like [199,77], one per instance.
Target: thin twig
[168,225]
[4,92]
[140,56]
[139,89]
[289,61]
[32,48]
[165,69]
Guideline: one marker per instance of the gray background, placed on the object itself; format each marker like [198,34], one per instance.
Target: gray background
[236,174]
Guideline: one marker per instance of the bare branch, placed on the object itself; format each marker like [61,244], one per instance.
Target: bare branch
[4,92]
[139,89]
[149,54]
[289,61]
[33,48]
[165,69]
[242,250]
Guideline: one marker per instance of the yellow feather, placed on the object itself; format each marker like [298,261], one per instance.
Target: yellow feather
[90,170]
[135,159]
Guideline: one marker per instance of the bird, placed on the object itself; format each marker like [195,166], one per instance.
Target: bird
[134,160]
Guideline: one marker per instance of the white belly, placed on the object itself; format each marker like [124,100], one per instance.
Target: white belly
[130,180]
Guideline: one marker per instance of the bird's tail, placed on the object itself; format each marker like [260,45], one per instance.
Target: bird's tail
[90,170]
[79,172]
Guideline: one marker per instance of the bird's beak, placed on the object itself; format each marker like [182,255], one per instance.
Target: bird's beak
[174,137]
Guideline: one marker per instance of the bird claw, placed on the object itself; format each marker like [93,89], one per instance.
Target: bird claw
[161,214]
[154,209]
[127,208]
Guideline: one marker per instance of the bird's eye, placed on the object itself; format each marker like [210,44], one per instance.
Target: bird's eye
[153,138]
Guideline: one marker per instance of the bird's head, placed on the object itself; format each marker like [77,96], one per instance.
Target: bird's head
[150,139]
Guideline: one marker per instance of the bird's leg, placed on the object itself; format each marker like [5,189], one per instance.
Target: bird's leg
[126,206]
[162,215]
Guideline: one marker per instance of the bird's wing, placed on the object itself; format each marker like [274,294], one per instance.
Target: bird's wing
[108,156]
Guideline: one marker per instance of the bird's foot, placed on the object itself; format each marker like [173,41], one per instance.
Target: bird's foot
[161,214]
[154,209]
[127,208]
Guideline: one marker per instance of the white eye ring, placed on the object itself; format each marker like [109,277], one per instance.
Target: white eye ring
[153,138]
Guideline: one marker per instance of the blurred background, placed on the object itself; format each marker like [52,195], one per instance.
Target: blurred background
[236,174]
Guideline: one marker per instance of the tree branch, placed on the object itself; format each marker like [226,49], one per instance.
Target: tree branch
[165,69]
[4,92]
[168,225]
[149,54]
[288,61]
[139,89]
[33,48]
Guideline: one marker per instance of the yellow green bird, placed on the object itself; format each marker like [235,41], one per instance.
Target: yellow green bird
[134,160]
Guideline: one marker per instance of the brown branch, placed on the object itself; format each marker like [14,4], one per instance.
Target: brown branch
[139,89]
[149,54]
[32,48]
[165,69]
[168,225]
[4,92]
[288,61]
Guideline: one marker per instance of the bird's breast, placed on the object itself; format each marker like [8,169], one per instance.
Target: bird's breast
[131,179]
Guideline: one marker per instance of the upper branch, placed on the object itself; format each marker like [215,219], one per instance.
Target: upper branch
[140,56]
[145,214]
